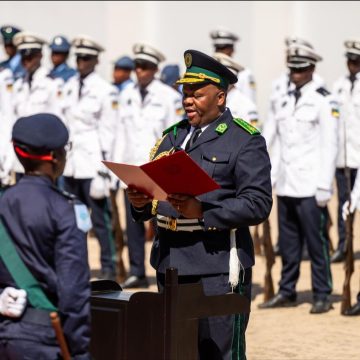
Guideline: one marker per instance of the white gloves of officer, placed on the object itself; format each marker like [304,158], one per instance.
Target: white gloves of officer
[12,302]
[100,186]
[322,197]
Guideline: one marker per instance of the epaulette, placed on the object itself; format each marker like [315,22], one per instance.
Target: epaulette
[64,193]
[175,126]
[246,126]
[323,91]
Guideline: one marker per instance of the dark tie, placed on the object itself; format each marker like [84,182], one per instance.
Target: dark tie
[81,84]
[352,79]
[29,79]
[192,139]
[297,94]
[143,93]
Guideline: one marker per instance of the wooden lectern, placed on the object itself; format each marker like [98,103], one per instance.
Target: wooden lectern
[154,326]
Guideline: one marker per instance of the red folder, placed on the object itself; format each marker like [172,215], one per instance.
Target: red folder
[173,174]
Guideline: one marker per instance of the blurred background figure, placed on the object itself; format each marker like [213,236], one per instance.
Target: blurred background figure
[238,103]
[60,48]
[146,109]
[306,125]
[122,72]
[13,62]
[224,42]
[347,93]
[34,92]
[169,75]
[90,113]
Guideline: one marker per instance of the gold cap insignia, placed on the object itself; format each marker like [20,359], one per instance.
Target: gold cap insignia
[188,59]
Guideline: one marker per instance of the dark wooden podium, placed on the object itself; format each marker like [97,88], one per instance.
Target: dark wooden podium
[154,326]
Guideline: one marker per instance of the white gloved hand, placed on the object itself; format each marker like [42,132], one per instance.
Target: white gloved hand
[347,210]
[322,197]
[12,302]
[100,187]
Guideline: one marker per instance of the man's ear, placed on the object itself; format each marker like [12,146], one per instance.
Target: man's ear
[221,98]
[54,156]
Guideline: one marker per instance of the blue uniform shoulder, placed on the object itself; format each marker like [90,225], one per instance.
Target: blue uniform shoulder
[181,124]
[66,195]
[322,91]
[246,126]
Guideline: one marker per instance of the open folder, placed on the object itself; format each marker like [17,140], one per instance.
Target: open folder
[173,174]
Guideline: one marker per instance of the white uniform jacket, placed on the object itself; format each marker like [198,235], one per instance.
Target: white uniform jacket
[141,123]
[279,88]
[91,120]
[6,120]
[42,97]
[241,106]
[246,84]
[307,138]
[349,125]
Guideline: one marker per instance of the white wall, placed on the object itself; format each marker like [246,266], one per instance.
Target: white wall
[174,26]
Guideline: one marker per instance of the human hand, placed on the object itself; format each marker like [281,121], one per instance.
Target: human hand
[347,209]
[12,302]
[186,205]
[137,198]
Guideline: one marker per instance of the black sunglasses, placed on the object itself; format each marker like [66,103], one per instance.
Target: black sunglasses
[299,70]
[85,58]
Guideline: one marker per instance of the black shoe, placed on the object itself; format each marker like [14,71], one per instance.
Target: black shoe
[279,300]
[338,256]
[108,275]
[354,310]
[321,306]
[135,282]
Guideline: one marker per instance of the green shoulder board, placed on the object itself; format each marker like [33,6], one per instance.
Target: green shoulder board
[246,126]
[175,126]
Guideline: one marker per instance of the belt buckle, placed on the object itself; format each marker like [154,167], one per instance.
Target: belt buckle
[171,224]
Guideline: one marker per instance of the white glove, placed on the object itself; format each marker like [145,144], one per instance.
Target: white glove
[347,210]
[100,187]
[12,302]
[322,197]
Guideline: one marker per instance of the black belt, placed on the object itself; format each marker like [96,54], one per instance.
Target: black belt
[36,316]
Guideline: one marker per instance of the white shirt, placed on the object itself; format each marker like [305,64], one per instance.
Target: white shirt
[307,138]
[349,125]
[241,106]
[246,84]
[91,120]
[141,123]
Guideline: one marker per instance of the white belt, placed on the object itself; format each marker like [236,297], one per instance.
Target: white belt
[173,224]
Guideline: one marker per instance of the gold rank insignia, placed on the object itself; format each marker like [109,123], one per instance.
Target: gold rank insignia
[252,84]
[9,87]
[221,128]
[335,112]
[114,104]
[188,59]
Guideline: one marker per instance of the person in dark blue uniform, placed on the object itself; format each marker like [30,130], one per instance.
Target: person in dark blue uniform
[201,236]
[170,74]
[47,229]
[13,62]
[60,48]
[122,72]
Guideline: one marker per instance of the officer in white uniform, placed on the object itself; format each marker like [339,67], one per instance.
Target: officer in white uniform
[282,85]
[346,90]
[146,109]
[306,125]
[6,121]
[239,104]
[35,92]
[90,113]
[224,41]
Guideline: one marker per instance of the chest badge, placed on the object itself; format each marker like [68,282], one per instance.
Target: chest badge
[221,128]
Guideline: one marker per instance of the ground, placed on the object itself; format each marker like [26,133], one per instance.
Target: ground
[291,333]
